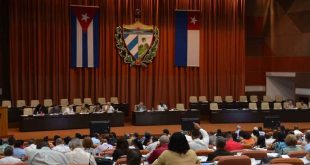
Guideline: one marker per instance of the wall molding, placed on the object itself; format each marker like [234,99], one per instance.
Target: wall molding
[255,88]
[302,91]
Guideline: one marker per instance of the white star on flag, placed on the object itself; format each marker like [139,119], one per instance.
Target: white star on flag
[85,17]
[193,20]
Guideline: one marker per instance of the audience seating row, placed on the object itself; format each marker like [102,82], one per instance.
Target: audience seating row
[63,102]
[218,99]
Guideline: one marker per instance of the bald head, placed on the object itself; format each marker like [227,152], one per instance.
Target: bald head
[164,139]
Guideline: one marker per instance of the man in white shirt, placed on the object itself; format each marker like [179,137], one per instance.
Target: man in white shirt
[162,107]
[60,147]
[96,139]
[197,143]
[9,159]
[31,146]
[43,155]
[140,107]
[78,155]
[104,146]
[109,108]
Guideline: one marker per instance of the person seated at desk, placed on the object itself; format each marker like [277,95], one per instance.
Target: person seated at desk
[85,108]
[98,108]
[68,110]
[140,107]
[162,107]
[40,109]
[289,105]
[108,108]
[55,110]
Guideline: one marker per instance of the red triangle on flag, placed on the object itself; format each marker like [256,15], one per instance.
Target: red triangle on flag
[84,14]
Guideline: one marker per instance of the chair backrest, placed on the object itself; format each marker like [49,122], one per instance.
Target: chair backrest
[203,152]
[193,99]
[78,109]
[214,106]
[256,154]
[20,103]
[180,107]
[48,102]
[278,98]
[28,111]
[253,98]
[267,98]
[265,106]
[88,101]
[77,101]
[243,99]
[234,160]
[253,106]
[218,99]
[293,161]
[202,99]
[229,99]
[34,103]
[6,103]
[64,102]
[277,106]
[297,154]
[114,100]
[101,100]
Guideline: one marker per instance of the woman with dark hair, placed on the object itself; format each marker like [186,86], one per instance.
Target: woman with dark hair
[134,157]
[121,149]
[178,152]
[137,144]
[279,143]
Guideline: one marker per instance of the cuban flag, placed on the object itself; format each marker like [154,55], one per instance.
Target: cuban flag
[187,37]
[84,36]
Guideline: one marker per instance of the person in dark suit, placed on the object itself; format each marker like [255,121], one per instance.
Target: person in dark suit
[55,110]
[40,109]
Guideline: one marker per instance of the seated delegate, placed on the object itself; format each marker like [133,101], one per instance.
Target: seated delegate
[140,107]
[162,107]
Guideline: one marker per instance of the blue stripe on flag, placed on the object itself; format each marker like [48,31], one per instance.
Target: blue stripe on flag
[85,50]
[96,40]
[73,40]
[133,43]
[180,58]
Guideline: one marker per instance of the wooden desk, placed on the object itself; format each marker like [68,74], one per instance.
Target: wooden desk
[3,121]
[162,117]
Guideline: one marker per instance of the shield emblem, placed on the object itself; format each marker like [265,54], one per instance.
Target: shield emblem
[137,43]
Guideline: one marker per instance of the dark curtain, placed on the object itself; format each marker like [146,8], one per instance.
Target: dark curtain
[40,52]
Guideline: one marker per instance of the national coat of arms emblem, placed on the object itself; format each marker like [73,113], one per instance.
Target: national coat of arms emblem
[137,43]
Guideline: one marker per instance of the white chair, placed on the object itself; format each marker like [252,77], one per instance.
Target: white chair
[278,98]
[277,106]
[180,107]
[78,109]
[265,106]
[88,101]
[20,103]
[252,106]
[101,100]
[48,102]
[193,99]
[243,99]
[229,99]
[6,103]
[77,101]
[267,98]
[114,100]
[218,99]
[253,98]
[34,103]
[28,111]
[64,102]
[202,99]
[214,107]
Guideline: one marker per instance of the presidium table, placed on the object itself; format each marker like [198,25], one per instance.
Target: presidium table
[72,121]
[163,117]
